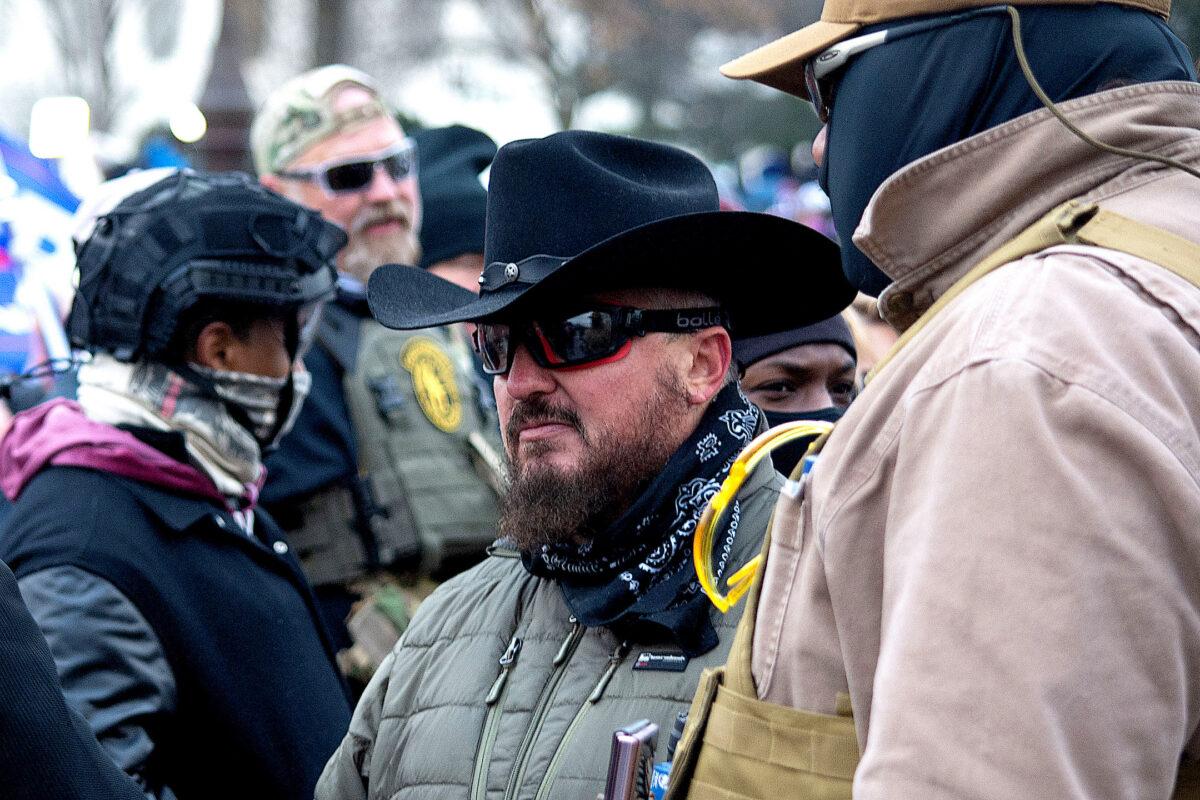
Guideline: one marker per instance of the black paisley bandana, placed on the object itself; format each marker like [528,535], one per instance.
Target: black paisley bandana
[639,573]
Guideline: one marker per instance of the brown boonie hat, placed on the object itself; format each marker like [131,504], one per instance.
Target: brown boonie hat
[779,64]
[300,113]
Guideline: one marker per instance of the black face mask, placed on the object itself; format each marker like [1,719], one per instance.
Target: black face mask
[789,455]
[903,100]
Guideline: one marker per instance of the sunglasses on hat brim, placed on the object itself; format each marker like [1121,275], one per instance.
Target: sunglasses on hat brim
[829,61]
[343,176]
[590,337]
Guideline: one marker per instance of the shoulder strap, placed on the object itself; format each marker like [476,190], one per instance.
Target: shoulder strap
[738,674]
[339,335]
[1073,222]
[1115,232]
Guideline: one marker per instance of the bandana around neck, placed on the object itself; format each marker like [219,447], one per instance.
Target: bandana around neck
[150,395]
[639,573]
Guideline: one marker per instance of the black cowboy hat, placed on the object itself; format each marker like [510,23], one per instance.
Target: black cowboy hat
[578,213]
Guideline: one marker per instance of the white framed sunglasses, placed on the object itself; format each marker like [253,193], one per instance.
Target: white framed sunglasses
[346,175]
[827,62]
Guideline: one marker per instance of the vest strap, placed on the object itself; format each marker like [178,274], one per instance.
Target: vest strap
[1073,222]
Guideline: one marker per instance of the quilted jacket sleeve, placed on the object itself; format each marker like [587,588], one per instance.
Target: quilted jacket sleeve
[347,774]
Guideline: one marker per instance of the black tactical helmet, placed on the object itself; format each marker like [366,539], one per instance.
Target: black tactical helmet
[194,237]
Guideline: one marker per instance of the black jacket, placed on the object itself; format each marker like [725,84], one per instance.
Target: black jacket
[46,750]
[256,702]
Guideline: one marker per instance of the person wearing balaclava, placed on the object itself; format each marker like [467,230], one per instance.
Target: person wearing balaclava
[986,584]
[179,619]
[805,373]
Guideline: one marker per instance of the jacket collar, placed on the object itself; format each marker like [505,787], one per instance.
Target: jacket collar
[924,239]
[175,511]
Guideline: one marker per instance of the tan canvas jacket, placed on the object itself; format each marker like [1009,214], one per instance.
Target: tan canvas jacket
[999,557]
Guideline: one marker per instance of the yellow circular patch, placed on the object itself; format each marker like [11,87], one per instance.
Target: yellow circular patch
[433,382]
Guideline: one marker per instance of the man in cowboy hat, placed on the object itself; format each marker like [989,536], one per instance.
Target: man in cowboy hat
[994,571]
[605,313]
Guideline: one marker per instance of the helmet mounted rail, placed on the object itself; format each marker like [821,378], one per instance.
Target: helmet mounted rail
[189,238]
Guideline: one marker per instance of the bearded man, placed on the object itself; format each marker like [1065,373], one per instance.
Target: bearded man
[387,473]
[620,419]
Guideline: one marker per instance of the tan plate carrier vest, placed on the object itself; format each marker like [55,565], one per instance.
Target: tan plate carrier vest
[425,451]
[737,747]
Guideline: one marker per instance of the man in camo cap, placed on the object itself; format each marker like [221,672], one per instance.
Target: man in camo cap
[382,477]
[317,140]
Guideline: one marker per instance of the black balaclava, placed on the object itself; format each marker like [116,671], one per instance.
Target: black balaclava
[787,457]
[905,99]
[750,350]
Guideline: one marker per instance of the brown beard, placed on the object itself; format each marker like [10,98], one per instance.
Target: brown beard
[545,505]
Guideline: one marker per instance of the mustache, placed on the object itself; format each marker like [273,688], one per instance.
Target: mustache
[539,412]
[381,212]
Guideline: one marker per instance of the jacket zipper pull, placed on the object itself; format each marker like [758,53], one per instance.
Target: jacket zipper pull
[614,661]
[506,662]
[565,649]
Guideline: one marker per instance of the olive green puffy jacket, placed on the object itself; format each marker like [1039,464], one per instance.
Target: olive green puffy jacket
[444,719]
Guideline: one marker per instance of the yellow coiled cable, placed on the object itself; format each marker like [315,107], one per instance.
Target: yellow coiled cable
[702,543]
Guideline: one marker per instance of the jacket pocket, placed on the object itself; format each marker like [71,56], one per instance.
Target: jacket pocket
[743,748]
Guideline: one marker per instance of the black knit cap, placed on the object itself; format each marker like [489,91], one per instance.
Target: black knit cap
[453,197]
[828,331]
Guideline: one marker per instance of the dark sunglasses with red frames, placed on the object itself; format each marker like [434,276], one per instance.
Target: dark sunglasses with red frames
[818,68]
[599,334]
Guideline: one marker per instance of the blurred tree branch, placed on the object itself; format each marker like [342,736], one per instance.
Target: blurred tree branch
[83,34]
[642,48]
[331,31]
[252,17]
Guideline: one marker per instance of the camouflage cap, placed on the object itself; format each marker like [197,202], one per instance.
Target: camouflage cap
[780,63]
[300,113]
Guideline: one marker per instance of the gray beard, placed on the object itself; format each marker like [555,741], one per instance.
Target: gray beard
[362,256]
[544,505]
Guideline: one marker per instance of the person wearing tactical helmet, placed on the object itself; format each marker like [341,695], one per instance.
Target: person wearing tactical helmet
[182,626]
[389,473]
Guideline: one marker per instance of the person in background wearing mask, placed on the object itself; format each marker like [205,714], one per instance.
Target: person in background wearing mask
[384,483]
[986,587]
[182,626]
[803,373]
